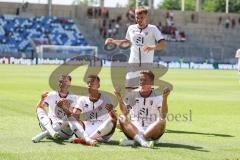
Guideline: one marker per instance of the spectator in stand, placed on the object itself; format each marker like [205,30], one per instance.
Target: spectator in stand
[227,23]
[193,17]
[219,20]
[233,23]
[18,11]
[90,12]
[160,26]
[183,36]
[131,15]
[95,12]
[119,18]
[99,12]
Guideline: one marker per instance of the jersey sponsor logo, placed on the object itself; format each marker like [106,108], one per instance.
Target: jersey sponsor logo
[138,40]
[137,100]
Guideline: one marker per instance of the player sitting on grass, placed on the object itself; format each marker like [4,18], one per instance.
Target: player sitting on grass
[148,111]
[59,122]
[99,116]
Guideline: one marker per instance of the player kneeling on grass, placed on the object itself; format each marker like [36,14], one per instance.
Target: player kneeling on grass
[99,121]
[148,111]
[60,122]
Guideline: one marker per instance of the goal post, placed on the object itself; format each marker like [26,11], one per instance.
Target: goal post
[65,52]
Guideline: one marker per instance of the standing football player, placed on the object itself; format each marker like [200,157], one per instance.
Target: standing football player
[59,122]
[148,112]
[144,39]
[99,116]
[238,57]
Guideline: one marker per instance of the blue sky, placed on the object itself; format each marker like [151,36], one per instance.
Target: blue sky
[108,3]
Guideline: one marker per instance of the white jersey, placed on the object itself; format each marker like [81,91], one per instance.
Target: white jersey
[143,110]
[54,112]
[94,112]
[140,37]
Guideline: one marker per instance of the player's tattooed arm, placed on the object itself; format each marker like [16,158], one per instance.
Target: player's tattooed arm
[164,108]
[41,103]
[122,106]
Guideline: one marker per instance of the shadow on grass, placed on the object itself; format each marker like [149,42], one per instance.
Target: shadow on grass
[161,145]
[200,133]
[183,146]
[57,141]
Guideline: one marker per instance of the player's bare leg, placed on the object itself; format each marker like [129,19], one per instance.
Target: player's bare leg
[155,130]
[132,132]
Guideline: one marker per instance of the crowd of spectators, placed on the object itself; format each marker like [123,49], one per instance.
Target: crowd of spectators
[108,27]
[229,22]
[169,30]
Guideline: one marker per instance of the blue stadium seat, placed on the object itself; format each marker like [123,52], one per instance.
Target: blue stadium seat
[17,32]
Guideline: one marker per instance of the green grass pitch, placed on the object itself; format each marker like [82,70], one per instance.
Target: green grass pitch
[208,99]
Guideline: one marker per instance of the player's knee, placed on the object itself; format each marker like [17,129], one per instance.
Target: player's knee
[57,126]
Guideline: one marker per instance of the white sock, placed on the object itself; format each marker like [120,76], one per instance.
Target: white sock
[45,133]
[140,139]
[103,129]
[45,121]
[78,129]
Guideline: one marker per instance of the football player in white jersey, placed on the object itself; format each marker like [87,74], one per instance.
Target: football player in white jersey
[147,110]
[99,120]
[144,39]
[59,122]
[238,57]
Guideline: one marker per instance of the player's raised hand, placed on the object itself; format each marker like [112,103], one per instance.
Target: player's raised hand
[166,92]
[109,41]
[44,95]
[147,48]
[117,92]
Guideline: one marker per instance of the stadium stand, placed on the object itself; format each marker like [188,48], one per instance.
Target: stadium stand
[207,38]
[17,33]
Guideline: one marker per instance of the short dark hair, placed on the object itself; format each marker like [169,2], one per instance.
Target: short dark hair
[148,73]
[140,10]
[94,77]
[64,76]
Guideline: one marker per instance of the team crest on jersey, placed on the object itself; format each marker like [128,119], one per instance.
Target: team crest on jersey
[86,105]
[146,33]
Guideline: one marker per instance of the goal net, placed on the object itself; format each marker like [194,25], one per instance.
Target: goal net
[65,52]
